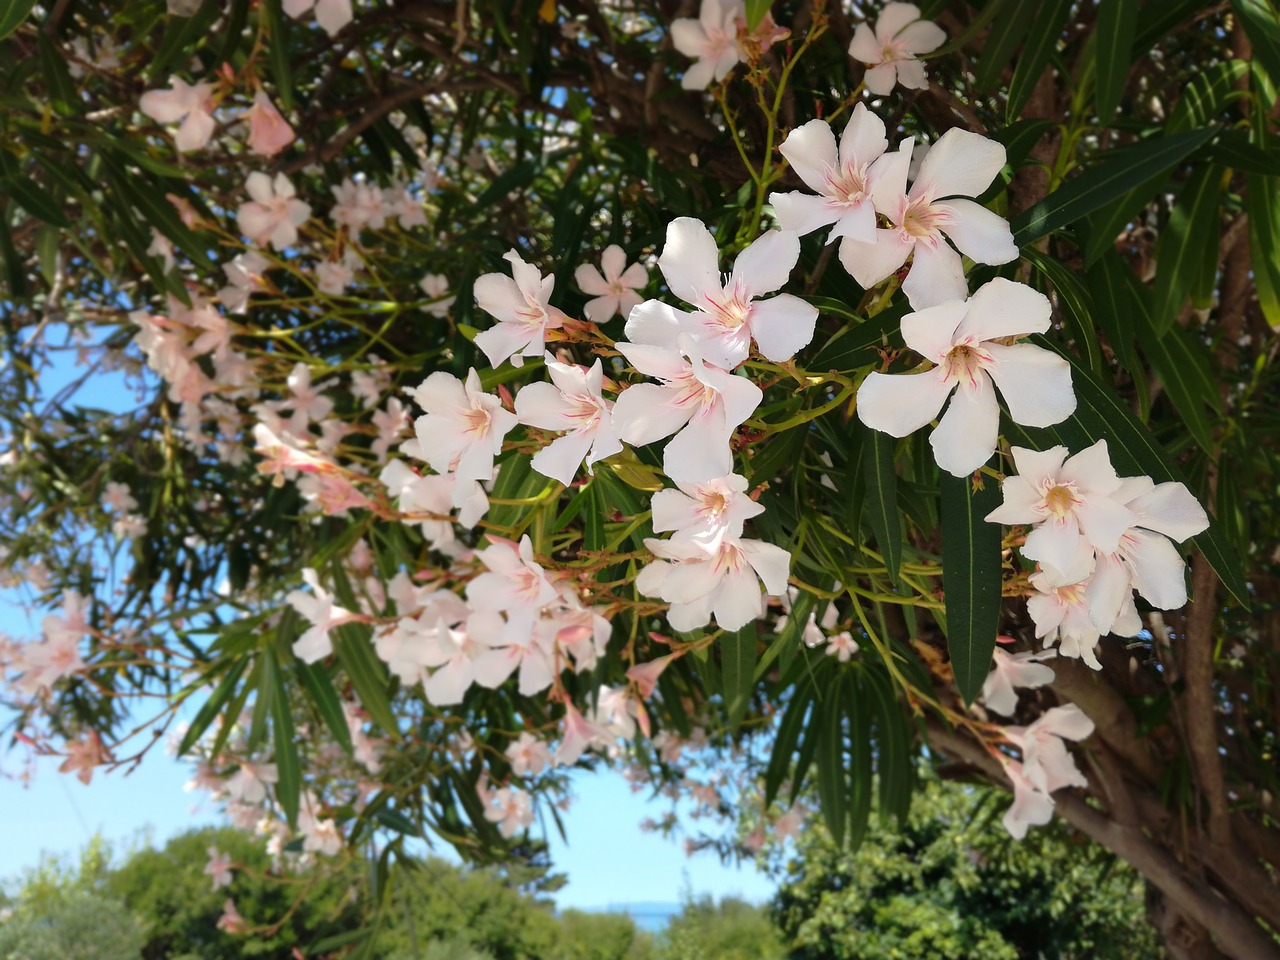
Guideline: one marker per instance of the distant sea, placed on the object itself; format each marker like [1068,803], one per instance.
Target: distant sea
[650,917]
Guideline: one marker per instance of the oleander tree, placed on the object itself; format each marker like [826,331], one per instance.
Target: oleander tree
[407,404]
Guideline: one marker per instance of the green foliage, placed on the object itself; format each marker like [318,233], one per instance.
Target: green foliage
[949,885]
[728,929]
[74,925]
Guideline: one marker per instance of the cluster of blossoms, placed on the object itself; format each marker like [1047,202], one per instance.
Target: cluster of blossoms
[1096,537]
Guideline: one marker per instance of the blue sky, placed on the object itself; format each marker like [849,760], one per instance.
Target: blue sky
[608,858]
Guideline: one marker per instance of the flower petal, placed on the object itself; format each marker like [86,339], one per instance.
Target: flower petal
[1003,308]
[690,260]
[589,280]
[1035,383]
[803,213]
[863,139]
[1169,508]
[811,150]
[644,413]
[960,164]
[978,233]
[782,326]
[932,332]
[900,404]
[870,263]
[766,265]
[936,275]
[966,436]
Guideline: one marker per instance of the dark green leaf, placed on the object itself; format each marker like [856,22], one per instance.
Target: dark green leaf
[1077,306]
[1116,22]
[182,36]
[367,673]
[1233,149]
[36,201]
[1204,97]
[880,482]
[1105,183]
[1263,206]
[1262,25]
[212,706]
[756,9]
[1180,252]
[1115,311]
[738,669]
[832,795]
[970,578]
[12,13]
[278,46]
[784,744]
[1042,39]
[60,88]
[161,214]
[288,766]
[1007,31]
[315,680]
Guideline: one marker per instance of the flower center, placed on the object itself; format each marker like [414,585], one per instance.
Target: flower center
[1060,501]
[1072,594]
[616,288]
[964,362]
[920,220]
[849,187]
[476,420]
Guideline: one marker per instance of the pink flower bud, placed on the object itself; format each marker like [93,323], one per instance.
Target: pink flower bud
[269,132]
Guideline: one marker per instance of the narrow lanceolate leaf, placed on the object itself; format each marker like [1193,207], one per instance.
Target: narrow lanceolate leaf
[1042,39]
[1102,415]
[60,88]
[1180,252]
[1106,182]
[315,680]
[756,9]
[1007,31]
[970,579]
[784,745]
[278,44]
[1261,23]
[288,766]
[162,215]
[1263,206]
[367,673]
[880,483]
[1109,284]
[1116,22]
[738,670]
[210,709]
[1206,95]
[12,13]
[1075,303]
[32,198]
[832,783]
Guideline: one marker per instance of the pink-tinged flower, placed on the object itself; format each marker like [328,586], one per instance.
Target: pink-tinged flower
[701,404]
[728,313]
[462,429]
[515,584]
[245,276]
[182,102]
[428,501]
[511,809]
[528,755]
[1060,611]
[58,655]
[274,214]
[724,583]
[231,922]
[1146,558]
[891,50]
[332,15]
[572,402]
[1031,807]
[711,40]
[1066,499]
[842,646]
[645,675]
[83,756]
[615,290]
[322,613]
[119,498]
[218,868]
[840,176]
[962,339]
[269,132]
[319,834]
[579,735]
[520,305]
[282,455]
[249,784]
[961,164]
[1045,760]
[705,513]
[1009,671]
[436,287]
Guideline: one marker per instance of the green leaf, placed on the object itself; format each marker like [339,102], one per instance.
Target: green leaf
[784,744]
[1204,97]
[756,9]
[1181,248]
[213,705]
[880,482]
[1262,26]
[1116,22]
[12,13]
[1102,415]
[738,669]
[36,201]
[1007,31]
[59,87]
[183,35]
[1073,298]
[288,766]
[970,578]
[1105,183]
[1109,284]
[1233,149]
[278,47]
[161,214]
[1263,206]
[315,680]
[832,794]
[1041,43]
[367,673]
